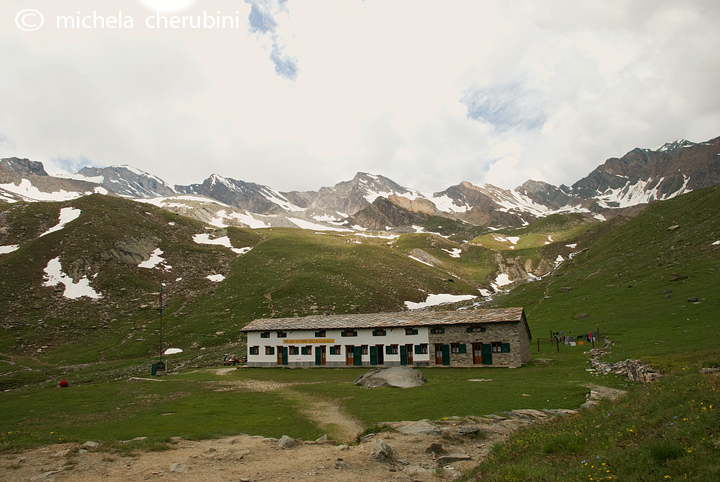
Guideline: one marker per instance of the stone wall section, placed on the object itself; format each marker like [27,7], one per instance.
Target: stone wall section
[513,333]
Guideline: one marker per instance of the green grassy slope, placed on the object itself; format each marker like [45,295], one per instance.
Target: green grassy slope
[634,283]
[639,285]
[288,272]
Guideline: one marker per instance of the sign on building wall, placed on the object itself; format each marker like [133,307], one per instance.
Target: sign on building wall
[309,341]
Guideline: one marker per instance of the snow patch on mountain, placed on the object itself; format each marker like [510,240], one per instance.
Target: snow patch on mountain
[67,215]
[54,276]
[447,204]
[205,238]
[632,194]
[437,299]
[302,223]
[454,253]
[26,191]
[9,248]
[155,261]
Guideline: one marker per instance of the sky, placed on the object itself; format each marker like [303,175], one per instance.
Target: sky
[300,94]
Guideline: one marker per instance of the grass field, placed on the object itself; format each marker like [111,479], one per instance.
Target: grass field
[201,404]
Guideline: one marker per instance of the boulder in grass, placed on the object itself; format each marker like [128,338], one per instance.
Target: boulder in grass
[402,377]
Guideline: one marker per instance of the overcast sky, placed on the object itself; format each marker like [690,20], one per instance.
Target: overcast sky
[300,94]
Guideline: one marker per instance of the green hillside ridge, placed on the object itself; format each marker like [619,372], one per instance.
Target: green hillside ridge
[634,283]
[633,279]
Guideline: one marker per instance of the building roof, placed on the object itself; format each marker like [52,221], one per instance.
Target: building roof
[388,320]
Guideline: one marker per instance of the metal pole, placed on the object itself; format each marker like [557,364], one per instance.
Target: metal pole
[161,326]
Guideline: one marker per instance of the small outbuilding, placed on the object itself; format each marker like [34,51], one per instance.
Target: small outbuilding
[490,337]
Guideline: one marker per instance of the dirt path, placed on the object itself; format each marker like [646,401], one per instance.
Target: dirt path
[327,414]
[454,447]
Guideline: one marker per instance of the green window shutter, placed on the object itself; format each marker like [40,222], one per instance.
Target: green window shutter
[462,348]
[418,350]
[415,331]
[469,329]
[332,350]
[505,348]
[388,350]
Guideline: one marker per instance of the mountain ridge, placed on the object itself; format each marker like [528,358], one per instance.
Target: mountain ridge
[639,177]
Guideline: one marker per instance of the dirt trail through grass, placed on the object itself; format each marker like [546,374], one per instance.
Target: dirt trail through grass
[328,414]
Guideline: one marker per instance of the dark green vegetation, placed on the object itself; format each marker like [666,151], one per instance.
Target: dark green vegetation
[634,279]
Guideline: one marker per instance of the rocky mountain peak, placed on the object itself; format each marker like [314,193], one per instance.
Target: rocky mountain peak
[23,166]
[127,181]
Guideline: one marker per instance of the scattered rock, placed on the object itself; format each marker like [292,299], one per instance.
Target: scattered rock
[90,445]
[286,442]
[341,464]
[601,393]
[402,377]
[381,452]
[423,427]
[693,299]
[450,458]
[435,448]
[581,316]
[673,227]
[469,430]
[564,289]
[178,467]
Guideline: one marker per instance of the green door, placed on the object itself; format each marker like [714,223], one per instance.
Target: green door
[373,355]
[487,354]
[318,356]
[446,354]
[403,355]
[284,355]
[357,356]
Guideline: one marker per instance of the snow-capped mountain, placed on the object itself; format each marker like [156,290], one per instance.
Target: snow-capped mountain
[370,201]
[126,181]
[252,197]
[645,175]
[26,180]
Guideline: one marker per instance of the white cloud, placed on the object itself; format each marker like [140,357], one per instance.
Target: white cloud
[419,91]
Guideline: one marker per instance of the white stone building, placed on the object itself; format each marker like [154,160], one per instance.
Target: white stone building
[491,337]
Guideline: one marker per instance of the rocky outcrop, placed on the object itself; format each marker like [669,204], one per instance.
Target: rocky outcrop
[133,250]
[23,166]
[417,206]
[383,214]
